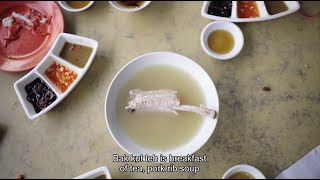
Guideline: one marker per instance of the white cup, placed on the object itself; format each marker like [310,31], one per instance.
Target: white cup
[244,168]
[227,26]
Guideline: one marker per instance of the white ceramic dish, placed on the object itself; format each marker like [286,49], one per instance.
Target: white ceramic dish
[66,7]
[96,173]
[293,6]
[122,8]
[154,59]
[244,168]
[220,25]
[38,72]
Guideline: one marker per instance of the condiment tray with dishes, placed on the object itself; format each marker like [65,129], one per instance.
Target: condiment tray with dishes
[56,75]
[247,11]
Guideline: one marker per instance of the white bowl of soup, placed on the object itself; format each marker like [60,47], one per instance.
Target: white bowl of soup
[161,133]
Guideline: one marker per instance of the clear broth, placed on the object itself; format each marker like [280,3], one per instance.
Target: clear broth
[241,175]
[221,41]
[160,130]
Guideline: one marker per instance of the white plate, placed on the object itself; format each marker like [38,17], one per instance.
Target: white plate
[293,6]
[96,173]
[38,72]
[153,59]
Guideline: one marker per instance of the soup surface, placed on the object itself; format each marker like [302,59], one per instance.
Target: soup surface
[161,130]
[221,41]
[78,4]
[241,175]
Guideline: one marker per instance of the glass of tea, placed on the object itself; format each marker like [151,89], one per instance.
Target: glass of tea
[222,40]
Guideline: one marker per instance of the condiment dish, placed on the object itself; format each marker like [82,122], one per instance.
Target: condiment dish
[44,65]
[243,168]
[293,6]
[227,26]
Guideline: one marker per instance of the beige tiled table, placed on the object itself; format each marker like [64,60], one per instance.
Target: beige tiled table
[269,130]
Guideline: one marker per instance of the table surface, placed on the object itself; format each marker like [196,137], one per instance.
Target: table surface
[269,130]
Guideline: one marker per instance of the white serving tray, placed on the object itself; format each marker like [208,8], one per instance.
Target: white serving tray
[293,6]
[95,173]
[38,72]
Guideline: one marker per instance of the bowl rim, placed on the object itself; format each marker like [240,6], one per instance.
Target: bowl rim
[237,40]
[125,66]
[145,4]
[70,9]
